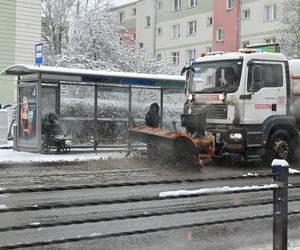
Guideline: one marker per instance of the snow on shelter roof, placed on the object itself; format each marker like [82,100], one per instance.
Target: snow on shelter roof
[99,76]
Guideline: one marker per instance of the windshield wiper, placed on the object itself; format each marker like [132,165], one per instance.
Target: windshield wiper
[222,89]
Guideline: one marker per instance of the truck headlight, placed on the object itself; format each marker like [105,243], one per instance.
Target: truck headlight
[222,97]
[235,136]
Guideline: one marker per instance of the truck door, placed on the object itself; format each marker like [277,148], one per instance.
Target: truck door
[266,88]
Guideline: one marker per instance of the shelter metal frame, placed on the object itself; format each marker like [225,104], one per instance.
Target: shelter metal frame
[43,76]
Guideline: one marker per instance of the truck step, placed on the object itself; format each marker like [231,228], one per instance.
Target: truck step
[253,145]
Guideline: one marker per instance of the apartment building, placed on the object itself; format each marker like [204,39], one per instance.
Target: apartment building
[20,30]
[180,30]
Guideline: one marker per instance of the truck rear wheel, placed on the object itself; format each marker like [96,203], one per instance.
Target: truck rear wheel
[279,147]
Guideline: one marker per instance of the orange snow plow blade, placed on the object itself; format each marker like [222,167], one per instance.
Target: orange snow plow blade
[173,144]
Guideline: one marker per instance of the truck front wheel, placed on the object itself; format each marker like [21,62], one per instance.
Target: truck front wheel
[279,146]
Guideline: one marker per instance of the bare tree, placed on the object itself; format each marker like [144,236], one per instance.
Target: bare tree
[96,40]
[55,22]
[290,30]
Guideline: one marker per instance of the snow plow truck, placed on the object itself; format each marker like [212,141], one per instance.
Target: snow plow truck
[239,105]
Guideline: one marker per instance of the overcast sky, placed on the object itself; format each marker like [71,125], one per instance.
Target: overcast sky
[118,2]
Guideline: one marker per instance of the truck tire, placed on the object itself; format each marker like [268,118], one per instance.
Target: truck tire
[279,146]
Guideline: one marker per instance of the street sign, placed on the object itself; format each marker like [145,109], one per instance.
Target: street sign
[39,47]
[266,47]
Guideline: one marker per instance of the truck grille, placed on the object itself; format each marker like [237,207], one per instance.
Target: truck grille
[213,111]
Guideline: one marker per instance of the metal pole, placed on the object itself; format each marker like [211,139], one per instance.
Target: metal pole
[57,106]
[161,106]
[17,128]
[95,117]
[129,115]
[280,205]
[38,121]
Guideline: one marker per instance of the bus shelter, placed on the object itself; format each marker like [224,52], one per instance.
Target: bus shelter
[39,93]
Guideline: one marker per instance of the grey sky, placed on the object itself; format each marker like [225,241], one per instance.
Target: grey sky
[119,2]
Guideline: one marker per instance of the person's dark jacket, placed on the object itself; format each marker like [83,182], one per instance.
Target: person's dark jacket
[152,116]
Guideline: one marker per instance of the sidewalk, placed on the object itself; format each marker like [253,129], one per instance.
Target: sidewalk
[8,156]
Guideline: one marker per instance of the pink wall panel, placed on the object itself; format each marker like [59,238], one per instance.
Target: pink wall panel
[229,20]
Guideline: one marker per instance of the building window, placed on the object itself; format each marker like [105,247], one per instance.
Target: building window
[220,34]
[246,14]
[134,36]
[158,57]
[191,54]
[122,16]
[270,40]
[159,5]
[229,4]
[148,21]
[159,31]
[176,31]
[177,5]
[141,45]
[193,3]
[192,28]
[134,11]
[175,58]
[270,12]
[209,21]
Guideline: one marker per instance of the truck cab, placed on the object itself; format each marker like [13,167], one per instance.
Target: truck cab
[246,98]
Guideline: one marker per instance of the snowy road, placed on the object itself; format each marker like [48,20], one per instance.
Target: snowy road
[255,234]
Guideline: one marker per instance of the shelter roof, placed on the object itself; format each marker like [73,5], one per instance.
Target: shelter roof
[99,76]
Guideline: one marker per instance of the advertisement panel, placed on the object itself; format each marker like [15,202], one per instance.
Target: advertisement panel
[27,115]
[267,47]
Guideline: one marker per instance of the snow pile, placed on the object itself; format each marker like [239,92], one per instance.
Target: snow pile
[277,162]
[10,156]
[250,174]
[214,190]
[293,171]
[2,206]
[8,145]
[35,223]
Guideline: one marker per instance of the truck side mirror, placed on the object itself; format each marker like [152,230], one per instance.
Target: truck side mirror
[185,68]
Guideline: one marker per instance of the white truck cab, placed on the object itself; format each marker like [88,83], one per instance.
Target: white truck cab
[248,100]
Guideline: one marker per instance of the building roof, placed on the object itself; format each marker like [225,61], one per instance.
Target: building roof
[99,76]
[239,55]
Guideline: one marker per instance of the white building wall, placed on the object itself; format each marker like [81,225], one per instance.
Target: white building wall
[20,30]
[199,41]
[28,30]
[144,34]
[256,29]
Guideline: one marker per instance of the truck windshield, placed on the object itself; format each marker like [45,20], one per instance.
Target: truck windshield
[216,77]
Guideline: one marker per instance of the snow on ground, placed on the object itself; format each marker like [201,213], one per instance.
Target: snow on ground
[11,156]
[292,245]
[293,171]
[214,190]
[9,144]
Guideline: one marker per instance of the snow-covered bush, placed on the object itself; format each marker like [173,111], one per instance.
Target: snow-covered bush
[78,114]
